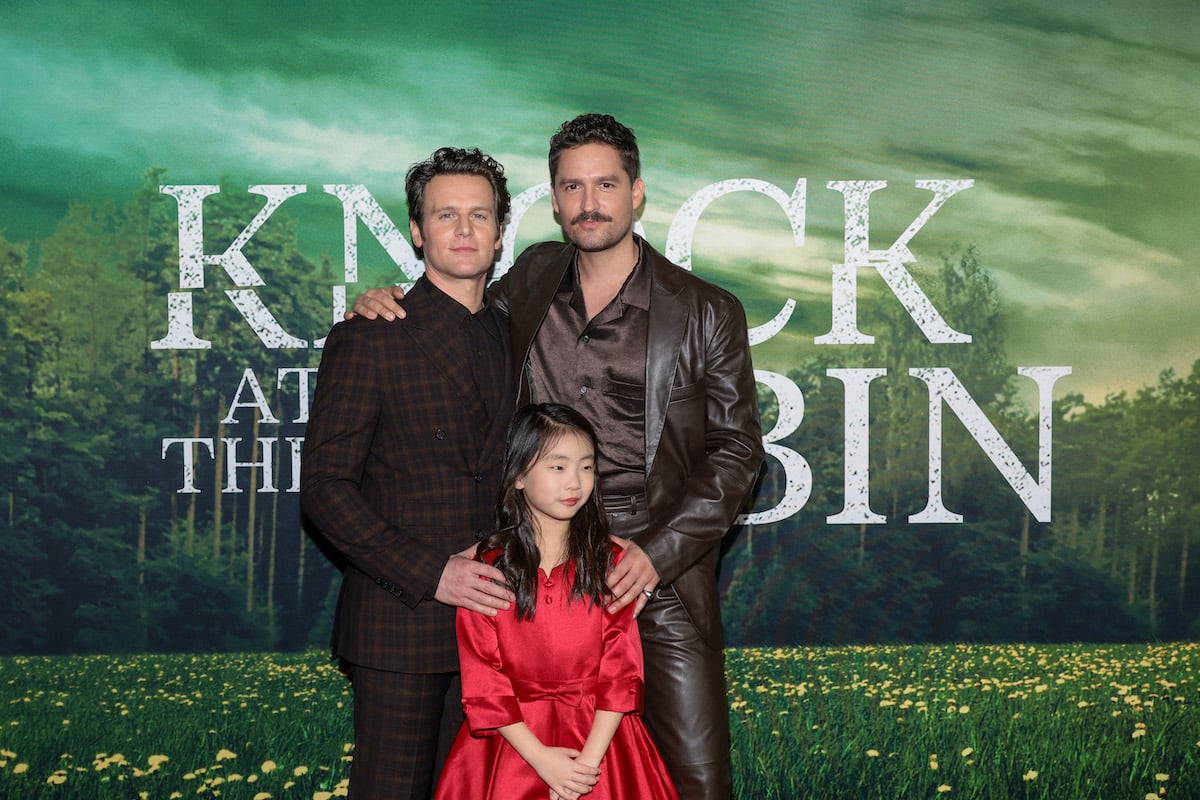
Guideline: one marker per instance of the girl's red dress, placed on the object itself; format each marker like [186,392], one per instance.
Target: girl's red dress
[552,672]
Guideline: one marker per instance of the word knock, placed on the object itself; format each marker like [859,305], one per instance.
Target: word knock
[358,206]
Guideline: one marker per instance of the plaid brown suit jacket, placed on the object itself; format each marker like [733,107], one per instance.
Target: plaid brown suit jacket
[400,468]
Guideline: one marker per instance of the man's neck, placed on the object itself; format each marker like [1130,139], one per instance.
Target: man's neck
[602,273]
[467,292]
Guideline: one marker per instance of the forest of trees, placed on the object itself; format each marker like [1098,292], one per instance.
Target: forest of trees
[103,553]
[1112,565]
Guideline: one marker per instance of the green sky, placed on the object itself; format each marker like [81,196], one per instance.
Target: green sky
[1076,120]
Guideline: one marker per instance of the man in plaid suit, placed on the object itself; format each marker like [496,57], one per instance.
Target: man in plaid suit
[401,462]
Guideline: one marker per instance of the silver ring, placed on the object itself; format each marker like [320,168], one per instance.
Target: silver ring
[649,594]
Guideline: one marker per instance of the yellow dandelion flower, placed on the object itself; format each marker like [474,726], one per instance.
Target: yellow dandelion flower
[1030,776]
[289,784]
[224,755]
[8,754]
[1162,777]
[964,709]
[1151,796]
[263,796]
[269,766]
[1139,733]
[20,768]
[300,770]
[322,795]
[873,753]
[58,778]
[157,761]
[347,747]
[944,788]
[176,796]
[967,751]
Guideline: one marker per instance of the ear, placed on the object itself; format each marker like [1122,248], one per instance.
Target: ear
[519,485]
[415,231]
[639,192]
[553,199]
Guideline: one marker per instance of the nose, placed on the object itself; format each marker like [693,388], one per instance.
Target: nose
[463,228]
[589,199]
[574,479]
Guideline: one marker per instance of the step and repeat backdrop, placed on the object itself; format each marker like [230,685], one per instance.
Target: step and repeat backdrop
[964,235]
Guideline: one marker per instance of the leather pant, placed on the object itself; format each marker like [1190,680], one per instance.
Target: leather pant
[687,708]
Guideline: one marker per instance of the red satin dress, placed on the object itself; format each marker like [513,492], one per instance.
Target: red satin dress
[552,672]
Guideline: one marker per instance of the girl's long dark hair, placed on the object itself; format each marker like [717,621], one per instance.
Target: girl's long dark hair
[533,430]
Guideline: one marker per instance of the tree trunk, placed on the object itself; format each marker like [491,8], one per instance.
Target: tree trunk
[189,536]
[1101,532]
[218,482]
[1152,591]
[1183,570]
[251,516]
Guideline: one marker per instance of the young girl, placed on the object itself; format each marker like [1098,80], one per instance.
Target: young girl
[552,687]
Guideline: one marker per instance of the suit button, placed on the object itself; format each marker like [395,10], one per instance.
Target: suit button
[479,536]
[441,434]
[478,478]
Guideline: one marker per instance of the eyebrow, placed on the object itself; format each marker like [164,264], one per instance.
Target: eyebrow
[612,178]
[453,207]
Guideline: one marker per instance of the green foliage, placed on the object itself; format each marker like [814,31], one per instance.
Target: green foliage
[878,723]
[1112,565]
[84,406]
[1024,721]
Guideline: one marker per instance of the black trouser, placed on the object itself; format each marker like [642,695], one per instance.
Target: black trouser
[403,726]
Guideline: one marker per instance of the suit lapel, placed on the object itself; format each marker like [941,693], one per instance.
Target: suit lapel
[444,352]
[664,337]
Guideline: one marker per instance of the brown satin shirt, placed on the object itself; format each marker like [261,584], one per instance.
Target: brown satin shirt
[598,367]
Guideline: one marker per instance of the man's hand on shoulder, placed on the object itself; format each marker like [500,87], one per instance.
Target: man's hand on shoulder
[473,585]
[382,301]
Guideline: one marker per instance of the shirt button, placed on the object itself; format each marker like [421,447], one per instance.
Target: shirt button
[586,338]
[440,434]
[478,478]
[582,390]
[549,600]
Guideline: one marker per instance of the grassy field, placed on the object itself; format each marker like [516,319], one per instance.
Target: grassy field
[1017,721]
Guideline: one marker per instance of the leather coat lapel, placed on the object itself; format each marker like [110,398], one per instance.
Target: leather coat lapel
[664,337]
[528,312]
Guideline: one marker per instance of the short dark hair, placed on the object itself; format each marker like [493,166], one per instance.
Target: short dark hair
[456,161]
[596,129]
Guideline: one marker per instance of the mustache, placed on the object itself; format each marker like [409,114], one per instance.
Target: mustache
[590,216]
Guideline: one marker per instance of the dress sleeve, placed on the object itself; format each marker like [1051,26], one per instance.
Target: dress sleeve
[620,686]
[489,701]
